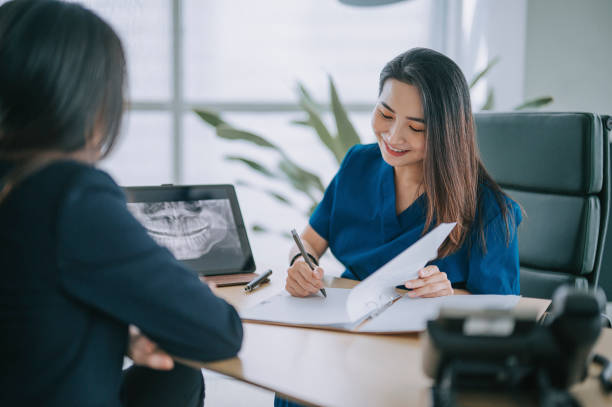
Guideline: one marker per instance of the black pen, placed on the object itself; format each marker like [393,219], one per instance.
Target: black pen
[257,281]
[300,246]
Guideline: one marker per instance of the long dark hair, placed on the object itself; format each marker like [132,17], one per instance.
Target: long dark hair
[62,75]
[453,174]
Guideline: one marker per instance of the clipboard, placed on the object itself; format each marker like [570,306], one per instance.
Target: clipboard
[401,315]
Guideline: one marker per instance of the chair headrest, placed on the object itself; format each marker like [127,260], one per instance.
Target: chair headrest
[543,151]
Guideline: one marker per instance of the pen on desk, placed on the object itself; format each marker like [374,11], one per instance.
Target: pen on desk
[257,281]
[300,246]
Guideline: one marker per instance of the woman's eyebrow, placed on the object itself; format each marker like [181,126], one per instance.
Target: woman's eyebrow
[416,119]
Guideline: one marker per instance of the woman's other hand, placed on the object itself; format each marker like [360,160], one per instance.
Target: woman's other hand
[302,281]
[145,352]
[431,283]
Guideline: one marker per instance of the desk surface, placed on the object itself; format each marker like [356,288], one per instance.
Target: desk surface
[336,368]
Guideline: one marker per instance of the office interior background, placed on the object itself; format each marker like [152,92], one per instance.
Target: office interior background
[244,58]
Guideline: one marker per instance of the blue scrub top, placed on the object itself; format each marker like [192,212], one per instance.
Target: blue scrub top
[357,217]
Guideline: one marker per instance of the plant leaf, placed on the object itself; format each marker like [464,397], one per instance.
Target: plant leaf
[210,117]
[294,177]
[490,101]
[314,120]
[308,176]
[535,103]
[295,180]
[347,136]
[312,109]
[257,228]
[302,180]
[231,133]
[252,164]
[299,178]
[312,208]
[301,122]
[304,94]
[278,197]
[482,73]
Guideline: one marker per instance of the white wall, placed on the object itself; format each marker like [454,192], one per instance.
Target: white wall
[480,30]
[568,54]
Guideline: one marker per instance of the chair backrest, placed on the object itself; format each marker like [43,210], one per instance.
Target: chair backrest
[605,274]
[556,166]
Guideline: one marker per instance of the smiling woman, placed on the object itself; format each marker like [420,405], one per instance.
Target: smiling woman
[424,170]
[400,133]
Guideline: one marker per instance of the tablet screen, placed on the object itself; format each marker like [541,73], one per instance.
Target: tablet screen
[202,233]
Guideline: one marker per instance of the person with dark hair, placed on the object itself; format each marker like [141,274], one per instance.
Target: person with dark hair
[82,283]
[424,170]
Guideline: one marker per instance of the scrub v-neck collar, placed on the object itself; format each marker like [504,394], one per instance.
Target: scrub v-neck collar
[393,223]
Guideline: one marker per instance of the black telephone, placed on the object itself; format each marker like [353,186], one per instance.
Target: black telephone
[503,350]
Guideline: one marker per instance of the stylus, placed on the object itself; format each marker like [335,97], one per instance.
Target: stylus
[257,281]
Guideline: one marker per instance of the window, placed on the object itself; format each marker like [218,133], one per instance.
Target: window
[243,59]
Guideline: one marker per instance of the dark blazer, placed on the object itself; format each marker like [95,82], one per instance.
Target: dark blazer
[75,269]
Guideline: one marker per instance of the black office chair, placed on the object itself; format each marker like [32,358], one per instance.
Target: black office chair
[556,165]
[605,275]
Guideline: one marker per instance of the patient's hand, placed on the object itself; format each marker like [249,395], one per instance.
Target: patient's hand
[431,283]
[302,281]
[145,352]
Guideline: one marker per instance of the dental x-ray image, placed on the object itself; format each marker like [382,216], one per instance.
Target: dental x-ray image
[189,229]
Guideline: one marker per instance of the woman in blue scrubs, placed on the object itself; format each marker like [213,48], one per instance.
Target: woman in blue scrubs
[424,170]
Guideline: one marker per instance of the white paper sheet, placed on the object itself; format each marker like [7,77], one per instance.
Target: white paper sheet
[379,288]
[411,314]
[313,310]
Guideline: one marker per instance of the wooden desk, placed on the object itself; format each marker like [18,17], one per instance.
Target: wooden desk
[339,369]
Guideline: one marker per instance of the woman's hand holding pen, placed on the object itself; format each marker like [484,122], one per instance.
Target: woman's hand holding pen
[431,283]
[302,281]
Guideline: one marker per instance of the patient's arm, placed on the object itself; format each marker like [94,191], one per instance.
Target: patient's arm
[108,261]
